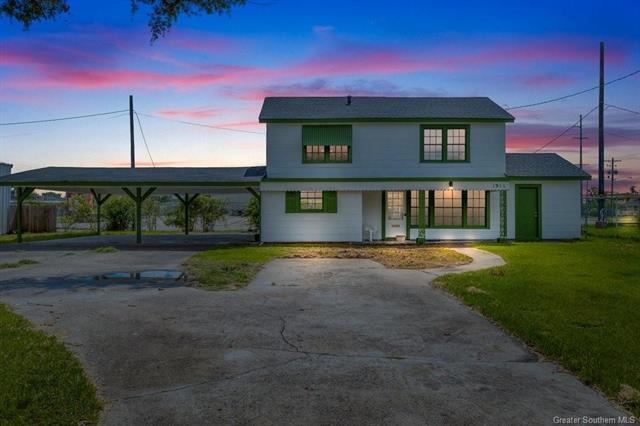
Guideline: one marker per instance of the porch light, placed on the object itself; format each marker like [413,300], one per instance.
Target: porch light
[450,184]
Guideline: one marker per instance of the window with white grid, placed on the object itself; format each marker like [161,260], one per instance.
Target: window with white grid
[314,152]
[310,200]
[447,208]
[395,205]
[432,146]
[476,208]
[338,153]
[456,144]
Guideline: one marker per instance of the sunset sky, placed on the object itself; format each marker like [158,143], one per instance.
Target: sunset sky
[216,70]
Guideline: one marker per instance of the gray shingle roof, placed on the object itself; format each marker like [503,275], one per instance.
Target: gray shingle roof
[542,165]
[142,175]
[381,108]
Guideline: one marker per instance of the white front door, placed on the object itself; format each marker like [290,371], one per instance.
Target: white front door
[395,214]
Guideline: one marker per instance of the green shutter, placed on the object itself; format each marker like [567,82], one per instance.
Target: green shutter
[292,202]
[330,201]
[326,135]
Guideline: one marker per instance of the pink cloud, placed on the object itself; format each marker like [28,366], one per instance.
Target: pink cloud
[189,112]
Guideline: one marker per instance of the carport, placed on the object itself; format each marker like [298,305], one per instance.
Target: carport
[186,183]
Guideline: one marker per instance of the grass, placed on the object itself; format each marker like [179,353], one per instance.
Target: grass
[41,382]
[42,236]
[233,267]
[105,249]
[19,263]
[575,302]
[631,232]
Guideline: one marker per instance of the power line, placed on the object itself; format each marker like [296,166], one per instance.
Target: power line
[191,123]
[62,118]
[573,94]
[144,139]
[565,131]
[623,109]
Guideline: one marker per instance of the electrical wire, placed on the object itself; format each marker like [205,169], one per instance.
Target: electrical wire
[62,118]
[192,123]
[623,109]
[565,131]
[144,139]
[573,94]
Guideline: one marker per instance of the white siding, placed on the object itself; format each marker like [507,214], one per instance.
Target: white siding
[385,150]
[560,209]
[345,225]
[372,213]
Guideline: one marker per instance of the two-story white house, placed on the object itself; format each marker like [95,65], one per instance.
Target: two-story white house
[360,168]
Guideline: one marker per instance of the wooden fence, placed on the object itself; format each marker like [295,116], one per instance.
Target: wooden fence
[35,218]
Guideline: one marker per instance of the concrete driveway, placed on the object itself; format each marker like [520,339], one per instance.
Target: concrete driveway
[309,341]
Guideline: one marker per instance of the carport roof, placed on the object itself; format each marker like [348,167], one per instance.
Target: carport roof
[140,176]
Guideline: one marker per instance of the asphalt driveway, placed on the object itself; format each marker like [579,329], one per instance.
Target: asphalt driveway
[309,341]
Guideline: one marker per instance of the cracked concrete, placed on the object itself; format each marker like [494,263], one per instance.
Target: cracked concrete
[332,342]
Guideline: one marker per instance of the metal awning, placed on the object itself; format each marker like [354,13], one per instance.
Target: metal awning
[166,180]
[137,183]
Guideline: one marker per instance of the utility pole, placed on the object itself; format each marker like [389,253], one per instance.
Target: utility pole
[133,144]
[601,221]
[612,175]
[581,138]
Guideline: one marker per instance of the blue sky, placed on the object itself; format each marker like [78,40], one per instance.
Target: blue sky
[216,69]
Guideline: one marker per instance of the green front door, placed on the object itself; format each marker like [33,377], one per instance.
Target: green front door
[527,212]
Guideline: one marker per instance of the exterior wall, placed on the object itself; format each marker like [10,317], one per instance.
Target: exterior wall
[372,214]
[5,199]
[560,209]
[278,226]
[385,150]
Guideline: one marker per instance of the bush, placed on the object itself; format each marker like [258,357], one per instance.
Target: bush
[253,214]
[205,210]
[79,211]
[119,213]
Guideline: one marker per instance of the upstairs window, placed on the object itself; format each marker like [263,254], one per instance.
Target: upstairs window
[444,143]
[326,144]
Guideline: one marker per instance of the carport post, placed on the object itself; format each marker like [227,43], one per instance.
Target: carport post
[139,198]
[99,202]
[186,202]
[21,195]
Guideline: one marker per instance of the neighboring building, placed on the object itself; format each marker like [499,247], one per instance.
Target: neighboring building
[354,168]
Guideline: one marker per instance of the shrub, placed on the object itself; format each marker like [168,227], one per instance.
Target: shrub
[119,213]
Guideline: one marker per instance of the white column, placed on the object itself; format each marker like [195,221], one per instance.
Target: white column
[5,199]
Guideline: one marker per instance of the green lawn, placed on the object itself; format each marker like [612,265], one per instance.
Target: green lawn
[19,263]
[576,302]
[41,382]
[622,231]
[41,236]
[233,267]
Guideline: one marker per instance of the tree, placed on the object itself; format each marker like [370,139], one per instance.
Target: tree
[120,213]
[79,210]
[633,189]
[209,210]
[163,15]
[205,210]
[252,213]
[150,213]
